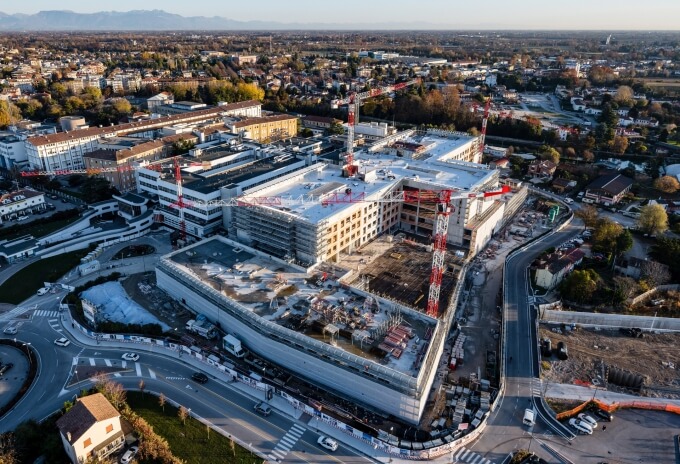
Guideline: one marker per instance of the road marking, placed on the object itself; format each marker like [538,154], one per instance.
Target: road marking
[152,374]
[75,361]
[116,374]
[138,369]
[286,443]
[107,362]
[92,362]
[123,364]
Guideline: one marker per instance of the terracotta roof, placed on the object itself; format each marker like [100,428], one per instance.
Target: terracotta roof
[84,414]
[138,126]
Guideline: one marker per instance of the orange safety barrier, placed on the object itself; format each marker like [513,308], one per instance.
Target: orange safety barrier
[665,407]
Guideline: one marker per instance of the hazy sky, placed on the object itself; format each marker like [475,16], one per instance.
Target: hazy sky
[489,14]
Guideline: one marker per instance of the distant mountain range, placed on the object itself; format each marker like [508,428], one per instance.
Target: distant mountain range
[159,20]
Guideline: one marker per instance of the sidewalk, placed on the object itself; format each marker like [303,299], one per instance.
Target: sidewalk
[277,402]
[578,392]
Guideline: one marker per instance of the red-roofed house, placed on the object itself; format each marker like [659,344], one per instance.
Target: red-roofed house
[552,269]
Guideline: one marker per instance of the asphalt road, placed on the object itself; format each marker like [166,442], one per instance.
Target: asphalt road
[64,371]
[505,432]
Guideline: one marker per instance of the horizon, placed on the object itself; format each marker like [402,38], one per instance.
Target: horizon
[533,15]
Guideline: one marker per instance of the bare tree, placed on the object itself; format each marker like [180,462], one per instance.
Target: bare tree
[142,386]
[655,273]
[113,391]
[183,413]
[625,286]
[588,214]
[161,401]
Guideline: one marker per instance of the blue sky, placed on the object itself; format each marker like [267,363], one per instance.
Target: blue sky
[490,14]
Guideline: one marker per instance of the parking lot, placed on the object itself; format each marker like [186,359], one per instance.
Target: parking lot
[634,436]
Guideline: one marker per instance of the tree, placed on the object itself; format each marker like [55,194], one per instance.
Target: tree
[624,241]
[96,189]
[161,401]
[655,273]
[588,214]
[624,95]
[625,287]
[121,106]
[667,184]
[183,413]
[588,156]
[667,251]
[335,129]
[8,454]
[653,219]
[9,113]
[580,285]
[606,234]
[112,391]
[619,144]
[549,153]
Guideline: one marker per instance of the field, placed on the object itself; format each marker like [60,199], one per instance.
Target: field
[190,440]
[28,280]
[593,354]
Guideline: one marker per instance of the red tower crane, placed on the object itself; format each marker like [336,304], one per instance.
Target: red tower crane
[443,206]
[482,141]
[353,102]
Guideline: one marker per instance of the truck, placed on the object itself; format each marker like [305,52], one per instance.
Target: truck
[529,417]
[233,346]
[202,326]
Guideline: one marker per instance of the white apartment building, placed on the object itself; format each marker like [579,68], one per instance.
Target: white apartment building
[12,152]
[19,203]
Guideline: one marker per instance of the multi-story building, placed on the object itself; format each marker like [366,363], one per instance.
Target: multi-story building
[12,152]
[266,129]
[20,202]
[221,172]
[65,150]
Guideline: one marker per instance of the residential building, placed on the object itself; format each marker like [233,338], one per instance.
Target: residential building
[561,185]
[91,430]
[178,107]
[319,122]
[551,270]
[542,168]
[20,203]
[608,189]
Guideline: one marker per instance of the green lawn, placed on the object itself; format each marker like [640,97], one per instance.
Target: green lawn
[189,441]
[28,280]
[37,228]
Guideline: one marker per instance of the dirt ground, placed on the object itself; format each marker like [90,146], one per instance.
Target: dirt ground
[591,353]
[142,289]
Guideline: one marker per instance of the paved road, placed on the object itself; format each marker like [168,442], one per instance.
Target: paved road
[505,432]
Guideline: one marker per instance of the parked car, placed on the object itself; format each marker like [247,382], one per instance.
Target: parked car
[63,341]
[10,330]
[127,457]
[327,442]
[199,377]
[263,408]
[22,218]
[588,420]
[602,414]
[581,427]
[130,357]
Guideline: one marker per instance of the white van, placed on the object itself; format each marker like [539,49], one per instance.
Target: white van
[529,417]
[568,201]
[42,291]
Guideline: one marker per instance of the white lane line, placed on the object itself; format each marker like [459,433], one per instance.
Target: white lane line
[138,368]
[107,362]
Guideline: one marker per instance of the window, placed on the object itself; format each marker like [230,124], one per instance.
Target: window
[109,428]
[87,442]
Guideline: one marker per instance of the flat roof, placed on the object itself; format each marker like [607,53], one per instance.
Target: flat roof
[306,303]
[210,183]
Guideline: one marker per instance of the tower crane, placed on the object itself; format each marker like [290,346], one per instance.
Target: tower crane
[353,102]
[442,200]
[482,141]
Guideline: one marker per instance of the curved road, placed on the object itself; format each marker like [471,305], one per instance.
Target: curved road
[64,371]
[504,432]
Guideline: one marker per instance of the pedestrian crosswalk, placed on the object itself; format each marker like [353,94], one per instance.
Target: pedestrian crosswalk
[286,443]
[127,369]
[54,323]
[45,313]
[465,455]
[16,312]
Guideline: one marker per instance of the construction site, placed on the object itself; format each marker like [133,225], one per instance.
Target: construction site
[627,361]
